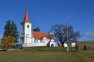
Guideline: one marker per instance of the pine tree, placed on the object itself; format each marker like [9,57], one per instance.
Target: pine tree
[14,32]
[37,29]
[7,28]
[11,29]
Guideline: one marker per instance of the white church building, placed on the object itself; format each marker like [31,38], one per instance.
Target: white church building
[30,38]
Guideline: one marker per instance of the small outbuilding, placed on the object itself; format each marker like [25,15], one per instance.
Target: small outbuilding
[65,45]
[73,44]
[52,43]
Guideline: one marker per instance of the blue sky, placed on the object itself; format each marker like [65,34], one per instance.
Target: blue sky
[45,13]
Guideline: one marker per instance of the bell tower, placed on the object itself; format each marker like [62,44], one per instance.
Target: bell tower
[26,33]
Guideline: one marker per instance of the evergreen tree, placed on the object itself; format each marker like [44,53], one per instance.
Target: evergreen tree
[14,31]
[7,28]
[11,29]
[37,29]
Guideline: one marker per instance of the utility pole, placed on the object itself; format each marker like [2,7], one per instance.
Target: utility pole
[67,32]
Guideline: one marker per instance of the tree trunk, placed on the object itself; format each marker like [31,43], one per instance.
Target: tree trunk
[62,42]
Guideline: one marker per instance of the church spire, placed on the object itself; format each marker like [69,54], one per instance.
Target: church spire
[26,19]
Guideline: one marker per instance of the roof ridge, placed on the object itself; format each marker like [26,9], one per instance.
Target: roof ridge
[39,35]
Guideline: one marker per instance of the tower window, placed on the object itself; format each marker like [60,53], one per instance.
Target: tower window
[27,26]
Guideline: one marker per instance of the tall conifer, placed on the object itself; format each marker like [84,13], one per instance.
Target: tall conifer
[11,29]
[14,31]
[7,28]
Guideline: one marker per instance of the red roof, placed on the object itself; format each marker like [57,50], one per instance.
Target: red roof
[26,19]
[40,35]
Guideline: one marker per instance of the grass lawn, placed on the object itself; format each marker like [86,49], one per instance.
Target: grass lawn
[46,54]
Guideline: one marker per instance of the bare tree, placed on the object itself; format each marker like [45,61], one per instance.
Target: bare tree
[64,33]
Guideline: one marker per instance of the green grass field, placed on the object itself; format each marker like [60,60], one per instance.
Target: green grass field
[46,54]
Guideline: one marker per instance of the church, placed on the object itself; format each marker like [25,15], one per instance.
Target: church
[30,38]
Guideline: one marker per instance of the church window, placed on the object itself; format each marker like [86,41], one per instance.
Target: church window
[27,26]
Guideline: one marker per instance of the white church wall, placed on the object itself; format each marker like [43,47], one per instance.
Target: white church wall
[45,40]
[32,40]
[27,38]
[27,33]
[38,41]
[52,43]
[34,44]
[39,44]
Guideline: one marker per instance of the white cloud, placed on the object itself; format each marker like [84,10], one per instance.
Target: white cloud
[89,34]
